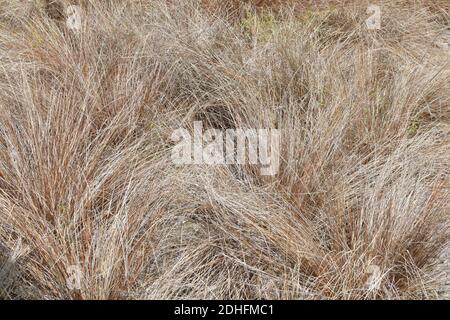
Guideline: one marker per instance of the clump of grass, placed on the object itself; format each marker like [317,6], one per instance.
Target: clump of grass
[261,27]
[358,209]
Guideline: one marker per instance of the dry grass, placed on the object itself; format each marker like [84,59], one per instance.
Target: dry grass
[360,207]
